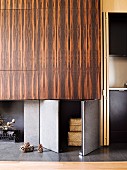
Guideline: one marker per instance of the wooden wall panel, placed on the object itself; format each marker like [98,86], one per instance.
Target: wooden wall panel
[69,85]
[50,39]
[21,39]
[93,32]
[41,40]
[16,27]
[58,38]
[4,85]
[5,40]
[30,60]
[30,84]
[63,35]
[93,46]
[48,85]
[50,4]
[75,40]
[22,4]
[73,68]
[84,38]
[16,85]
[77,4]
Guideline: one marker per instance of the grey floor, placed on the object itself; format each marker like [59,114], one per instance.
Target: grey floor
[9,151]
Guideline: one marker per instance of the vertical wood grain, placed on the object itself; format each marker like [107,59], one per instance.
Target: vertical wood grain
[50,37]
[29,57]
[16,39]
[93,47]
[75,39]
[30,84]
[58,38]
[4,85]
[4,40]
[62,60]
[16,85]
[40,39]
[50,4]
[84,36]
[93,32]
[22,4]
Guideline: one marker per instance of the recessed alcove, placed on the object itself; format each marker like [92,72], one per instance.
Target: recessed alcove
[14,110]
[67,109]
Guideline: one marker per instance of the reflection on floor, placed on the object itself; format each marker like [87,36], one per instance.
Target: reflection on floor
[9,151]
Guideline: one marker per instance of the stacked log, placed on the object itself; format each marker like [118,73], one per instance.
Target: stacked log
[75,132]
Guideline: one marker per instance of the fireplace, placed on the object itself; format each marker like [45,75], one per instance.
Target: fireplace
[47,122]
[10,110]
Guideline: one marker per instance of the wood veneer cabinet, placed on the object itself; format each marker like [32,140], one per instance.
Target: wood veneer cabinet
[58,41]
[20,39]
[72,51]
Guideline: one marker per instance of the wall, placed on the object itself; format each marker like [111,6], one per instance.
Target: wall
[49,49]
[117,71]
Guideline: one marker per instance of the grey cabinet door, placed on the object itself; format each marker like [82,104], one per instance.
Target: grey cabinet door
[90,126]
[49,125]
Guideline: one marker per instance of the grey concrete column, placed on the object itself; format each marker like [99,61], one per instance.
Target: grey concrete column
[49,124]
[31,121]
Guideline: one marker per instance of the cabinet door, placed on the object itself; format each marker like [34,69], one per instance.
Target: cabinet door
[30,84]
[5,38]
[90,126]
[4,85]
[16,85]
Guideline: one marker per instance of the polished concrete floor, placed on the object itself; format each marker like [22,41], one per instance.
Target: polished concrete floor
[9,151]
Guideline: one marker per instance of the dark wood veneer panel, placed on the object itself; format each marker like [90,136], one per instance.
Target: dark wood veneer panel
[30,58]
[16,85]
[77,4]
[30,84]
[50,39]
[4,85]
[61,41]
[22,4]
[21,39]
[5,40]
[69,84]
[16,28]
[72,68]
[63,36]
[93,27]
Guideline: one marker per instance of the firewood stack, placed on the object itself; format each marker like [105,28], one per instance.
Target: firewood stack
[75,132]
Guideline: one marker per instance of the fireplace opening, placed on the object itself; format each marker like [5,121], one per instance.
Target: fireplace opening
[68,109]
[12,121]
